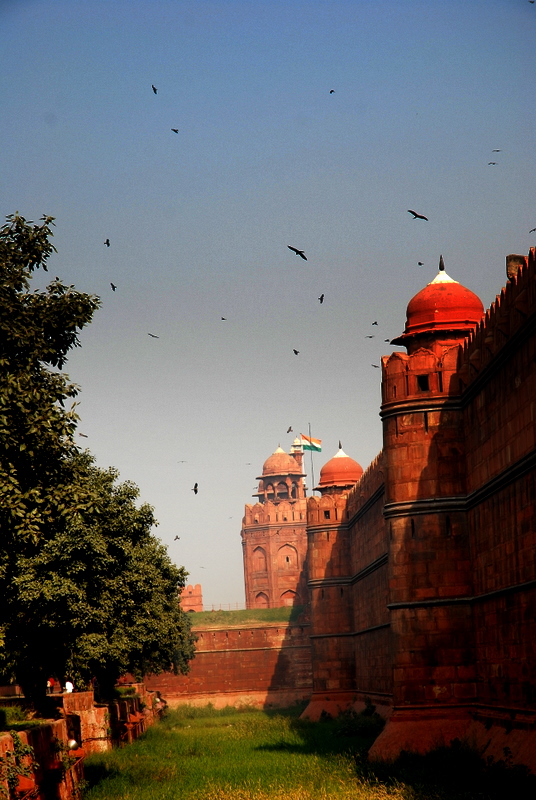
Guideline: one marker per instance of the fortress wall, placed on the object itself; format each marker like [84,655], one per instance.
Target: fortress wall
[259,665]
[500,425]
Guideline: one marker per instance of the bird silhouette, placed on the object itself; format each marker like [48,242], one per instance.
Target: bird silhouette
[182,462]
[420,263]
[376,366]
[114,287]
[370,336]
[417,216]
[84,435]
[175,130]
[532,230]
[321,299]
[298,252]
[496,151]
[386,340]
[375,322]
[332,91]
[296,352]
[153,87]
[194,488]
[224,319]
[153,336]
[176,538]
[107,243]
[289,429]
[492,163]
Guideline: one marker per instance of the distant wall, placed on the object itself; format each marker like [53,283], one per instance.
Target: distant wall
[260,665]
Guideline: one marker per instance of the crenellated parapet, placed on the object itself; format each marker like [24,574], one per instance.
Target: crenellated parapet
[512,309]
[269,513]
[371,482]
[419,376]
[330,508]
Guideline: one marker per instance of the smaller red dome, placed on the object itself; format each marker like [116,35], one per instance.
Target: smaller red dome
[341,470]
[443,305]
[280,463]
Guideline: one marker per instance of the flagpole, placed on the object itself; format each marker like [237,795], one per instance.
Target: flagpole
[312,465]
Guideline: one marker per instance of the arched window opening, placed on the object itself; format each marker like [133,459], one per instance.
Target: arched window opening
[261,600]
[259,560]
[287,557]
[288,598]
[282,491]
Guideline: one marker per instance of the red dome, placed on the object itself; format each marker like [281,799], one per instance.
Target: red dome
[443,305]
[341,470]
[280,463]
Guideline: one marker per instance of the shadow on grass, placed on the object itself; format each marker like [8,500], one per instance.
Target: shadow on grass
[96,772]
[457,772]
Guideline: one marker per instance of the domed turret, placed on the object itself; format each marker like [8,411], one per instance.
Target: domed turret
[444,309]
[339,472]
[281,479]
[280,463]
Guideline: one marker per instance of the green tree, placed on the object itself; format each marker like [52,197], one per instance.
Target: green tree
[102,596]
[85,588]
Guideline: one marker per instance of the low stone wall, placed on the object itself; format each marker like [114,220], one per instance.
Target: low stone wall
[257,665]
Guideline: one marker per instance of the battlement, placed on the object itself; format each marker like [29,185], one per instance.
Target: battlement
[370,482]
[506,316]
[420,375]
[269,513]
[327,510]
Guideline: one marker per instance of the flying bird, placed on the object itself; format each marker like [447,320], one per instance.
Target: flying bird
[321,299]
[417,216]
[298,252]
[195,489]
[492,163]
[420,263]
[376,366]
[176,538]
[153,87]
[375,322]
[369,336]
[175,130]
[289,430]
[84,435]
[182,462]
[332,91]
[107,243]
[153,336]
[496,151]
[224,319]
[532,230]
[386,340]
[114,287]
[296,352]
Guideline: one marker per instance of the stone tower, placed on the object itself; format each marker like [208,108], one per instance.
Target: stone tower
[274,538]
[425,500]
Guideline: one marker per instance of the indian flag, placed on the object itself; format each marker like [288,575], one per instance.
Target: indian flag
[308,443]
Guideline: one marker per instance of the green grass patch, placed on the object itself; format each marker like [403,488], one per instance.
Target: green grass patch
[228,619]
[235,754]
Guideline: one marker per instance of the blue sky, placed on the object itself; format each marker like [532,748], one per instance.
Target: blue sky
[199,221]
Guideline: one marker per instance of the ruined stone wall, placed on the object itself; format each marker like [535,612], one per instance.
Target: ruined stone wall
[259,665]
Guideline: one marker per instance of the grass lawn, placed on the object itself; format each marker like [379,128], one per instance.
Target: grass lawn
[204,754]
[247,616]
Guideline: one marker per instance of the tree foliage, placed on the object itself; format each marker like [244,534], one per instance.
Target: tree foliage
[87,590]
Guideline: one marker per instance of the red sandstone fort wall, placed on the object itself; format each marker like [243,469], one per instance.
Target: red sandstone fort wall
[259,665]
[499,365]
